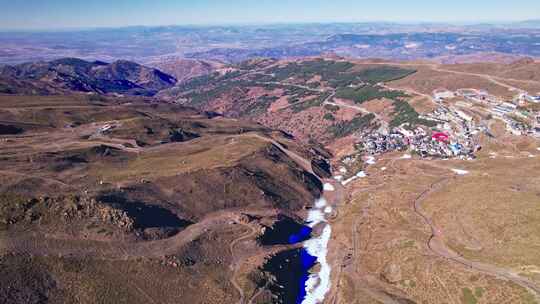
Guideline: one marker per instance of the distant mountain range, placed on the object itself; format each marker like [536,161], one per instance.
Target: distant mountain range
[231,44]
[71,74]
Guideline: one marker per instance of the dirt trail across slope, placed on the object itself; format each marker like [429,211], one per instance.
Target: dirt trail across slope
[436,245]
[437,67]
[304,163]
[34,243]
[236,264]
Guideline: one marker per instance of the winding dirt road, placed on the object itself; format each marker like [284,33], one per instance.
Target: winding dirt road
[437,246]
[236,264]
[437,67]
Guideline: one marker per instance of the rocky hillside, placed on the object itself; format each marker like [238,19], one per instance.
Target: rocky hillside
[321,99]
[70,74]
[184,69]
[125,188]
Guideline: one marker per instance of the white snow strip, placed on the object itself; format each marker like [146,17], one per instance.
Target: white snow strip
[383,168]
[320,203]
[370,160]
[460,172]
[315,217]
[406,156]
[345,182]
[358,175]
[338,177]
[318,284]
[538,148]
[328,187]
[361,174]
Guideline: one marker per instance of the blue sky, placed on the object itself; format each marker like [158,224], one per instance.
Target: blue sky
[47,14]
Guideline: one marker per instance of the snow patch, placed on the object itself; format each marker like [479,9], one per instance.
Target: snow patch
[406,156]
[315,217]
[318,284]
[383,169]
[361,174]
[328,187]
[343,170]
[358,175]
[338,177]
[370,160]
[460,172]
[320,203]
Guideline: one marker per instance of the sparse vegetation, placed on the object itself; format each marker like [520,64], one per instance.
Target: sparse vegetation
[383,74]
[331,108]
[305,70]
[338,73]
[405,113]
[314,102]
[260,105]
[204,96]
[367,93]
[346,128]
[468,297]
[329,116]
[478,292]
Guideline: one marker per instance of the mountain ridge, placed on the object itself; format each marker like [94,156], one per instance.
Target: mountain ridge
[73,74]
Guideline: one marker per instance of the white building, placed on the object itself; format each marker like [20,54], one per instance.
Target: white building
[445,94]
[464,116]
[509,105]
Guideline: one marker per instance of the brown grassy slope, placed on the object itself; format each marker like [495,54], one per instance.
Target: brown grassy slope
[201,275]
[67,188]
[524,74]
[492,214]
[381,242]
[426,80]
[184,69]
[140,149]
[524,69]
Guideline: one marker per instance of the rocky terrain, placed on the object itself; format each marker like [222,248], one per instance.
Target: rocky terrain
[91,191]
[184,69]
[312,99]
[70,74]
[198,191]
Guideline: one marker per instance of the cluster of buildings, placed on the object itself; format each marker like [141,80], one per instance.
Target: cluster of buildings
[524,97]
[455,133]
[422,142]
[453,137]
[507,111]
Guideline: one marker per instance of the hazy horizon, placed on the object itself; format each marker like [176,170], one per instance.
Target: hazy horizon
[36,15]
